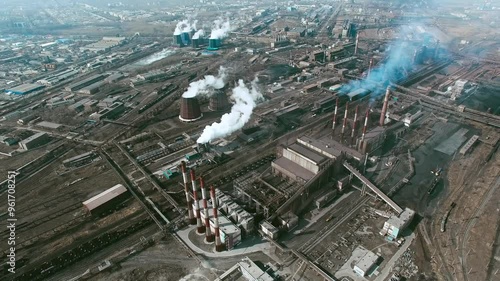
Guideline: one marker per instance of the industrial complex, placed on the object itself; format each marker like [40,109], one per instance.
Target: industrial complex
[261,141]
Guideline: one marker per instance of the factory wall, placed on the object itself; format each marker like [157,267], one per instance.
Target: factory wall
[285,173]
[300,160]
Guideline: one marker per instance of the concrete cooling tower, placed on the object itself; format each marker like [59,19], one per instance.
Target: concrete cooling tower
[218,101]
[190,110]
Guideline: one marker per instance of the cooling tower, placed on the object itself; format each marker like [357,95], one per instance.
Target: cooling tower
[218,101]
[213,43]
[195,43]
[178,40]
[186,38]
[190,110]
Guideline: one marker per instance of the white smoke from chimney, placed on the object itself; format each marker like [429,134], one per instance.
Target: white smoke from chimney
[245,101]
[198,34]
[204,86]
[185,26]
[220,29]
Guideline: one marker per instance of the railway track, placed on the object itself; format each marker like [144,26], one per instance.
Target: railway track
[329,228]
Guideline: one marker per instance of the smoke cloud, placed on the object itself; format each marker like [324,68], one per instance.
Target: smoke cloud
[245,100]
[397,64]
[220,29]
[185,26]
[204,86]
[198,34]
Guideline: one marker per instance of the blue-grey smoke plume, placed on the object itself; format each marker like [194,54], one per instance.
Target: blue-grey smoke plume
[397,65]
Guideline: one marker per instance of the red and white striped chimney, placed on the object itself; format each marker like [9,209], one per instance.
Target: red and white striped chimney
[354,122]
[200,228]
[335,113]
[365,126]
[191,218]
[208,233]
[218,244]
[345,118]
[384,106]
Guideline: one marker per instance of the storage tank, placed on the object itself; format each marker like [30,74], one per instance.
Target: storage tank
[218,101]
[190,110]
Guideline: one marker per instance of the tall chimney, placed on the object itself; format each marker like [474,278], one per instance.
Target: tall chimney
[208,233]
[415,56]
[218,244]
[354,123]
[366,125]
[191,218]
[370,67]
[357,42]
[384,107]
[345,118]
[200,228]
[335,113]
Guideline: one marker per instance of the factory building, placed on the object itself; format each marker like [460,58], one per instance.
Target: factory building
[330,148]
[396,224]
[86,82]
[108,112]
[373,140]
[105,44]
[27,119]
[242,218]
[230,234]
[298,163]
[190,110]
[289,220]
[58,77]
[366,264]
[106,200]
[80,160]
[35,140]
[246,269]
[268,229]
[24,89]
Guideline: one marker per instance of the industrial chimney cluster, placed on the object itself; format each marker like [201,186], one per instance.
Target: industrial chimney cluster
[194,210]
[354,141]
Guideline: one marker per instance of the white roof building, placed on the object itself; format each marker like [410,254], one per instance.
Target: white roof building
[104,197]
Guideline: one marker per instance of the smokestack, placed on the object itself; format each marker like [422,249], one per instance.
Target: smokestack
[208,233]
[365,126]
[335,113]
[200,228]
[354,123]
[192,219]
[415,56]
[384,107]
[357,42]
[370,67]
[345,118]
[218,244]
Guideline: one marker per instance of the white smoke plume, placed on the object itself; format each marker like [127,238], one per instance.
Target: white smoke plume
[185,26]
[245,101]
[220,29]
[205,85]
[198,34]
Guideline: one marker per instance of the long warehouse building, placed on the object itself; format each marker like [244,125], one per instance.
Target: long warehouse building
[106,200]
